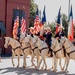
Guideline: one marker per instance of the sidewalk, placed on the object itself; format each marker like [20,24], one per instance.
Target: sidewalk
[6,68]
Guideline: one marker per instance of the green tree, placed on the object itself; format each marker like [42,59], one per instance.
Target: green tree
[65,23]
[52,26]
[33,7]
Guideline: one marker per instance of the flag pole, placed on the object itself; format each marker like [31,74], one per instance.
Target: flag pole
[68,9]
[40,14]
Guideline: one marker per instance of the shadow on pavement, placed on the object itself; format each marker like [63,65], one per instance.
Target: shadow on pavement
[6,55]
[31,71]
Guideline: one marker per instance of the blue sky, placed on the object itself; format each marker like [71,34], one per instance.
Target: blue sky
[52,8]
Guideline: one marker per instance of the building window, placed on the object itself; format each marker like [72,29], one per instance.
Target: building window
[20,13]
[2,29]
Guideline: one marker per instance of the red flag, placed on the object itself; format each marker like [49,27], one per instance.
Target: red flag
[71,26]
[15,28]
[23,25]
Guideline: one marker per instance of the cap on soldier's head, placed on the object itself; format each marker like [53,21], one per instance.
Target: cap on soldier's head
[31,28]
[45,28]
[61,27]
[48,28]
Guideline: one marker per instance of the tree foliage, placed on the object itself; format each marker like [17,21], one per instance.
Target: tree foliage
[33,7]
[64,23]
[52,25]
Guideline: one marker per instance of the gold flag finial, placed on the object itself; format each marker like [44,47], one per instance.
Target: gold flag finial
[23,7]
[18,8]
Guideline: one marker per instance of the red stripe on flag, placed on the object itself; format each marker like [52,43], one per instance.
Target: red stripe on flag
[37,24]
[57,29]
[15,28]
[70,36]
[23,26]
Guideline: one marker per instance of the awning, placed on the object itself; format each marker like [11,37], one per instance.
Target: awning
[2,27]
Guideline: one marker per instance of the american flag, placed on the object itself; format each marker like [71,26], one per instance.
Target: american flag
[15,28]
[23,25]
[37,22]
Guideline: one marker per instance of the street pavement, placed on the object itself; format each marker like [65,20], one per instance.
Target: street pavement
[6,67]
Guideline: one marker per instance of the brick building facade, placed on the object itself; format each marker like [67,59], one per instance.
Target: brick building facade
[7,11]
